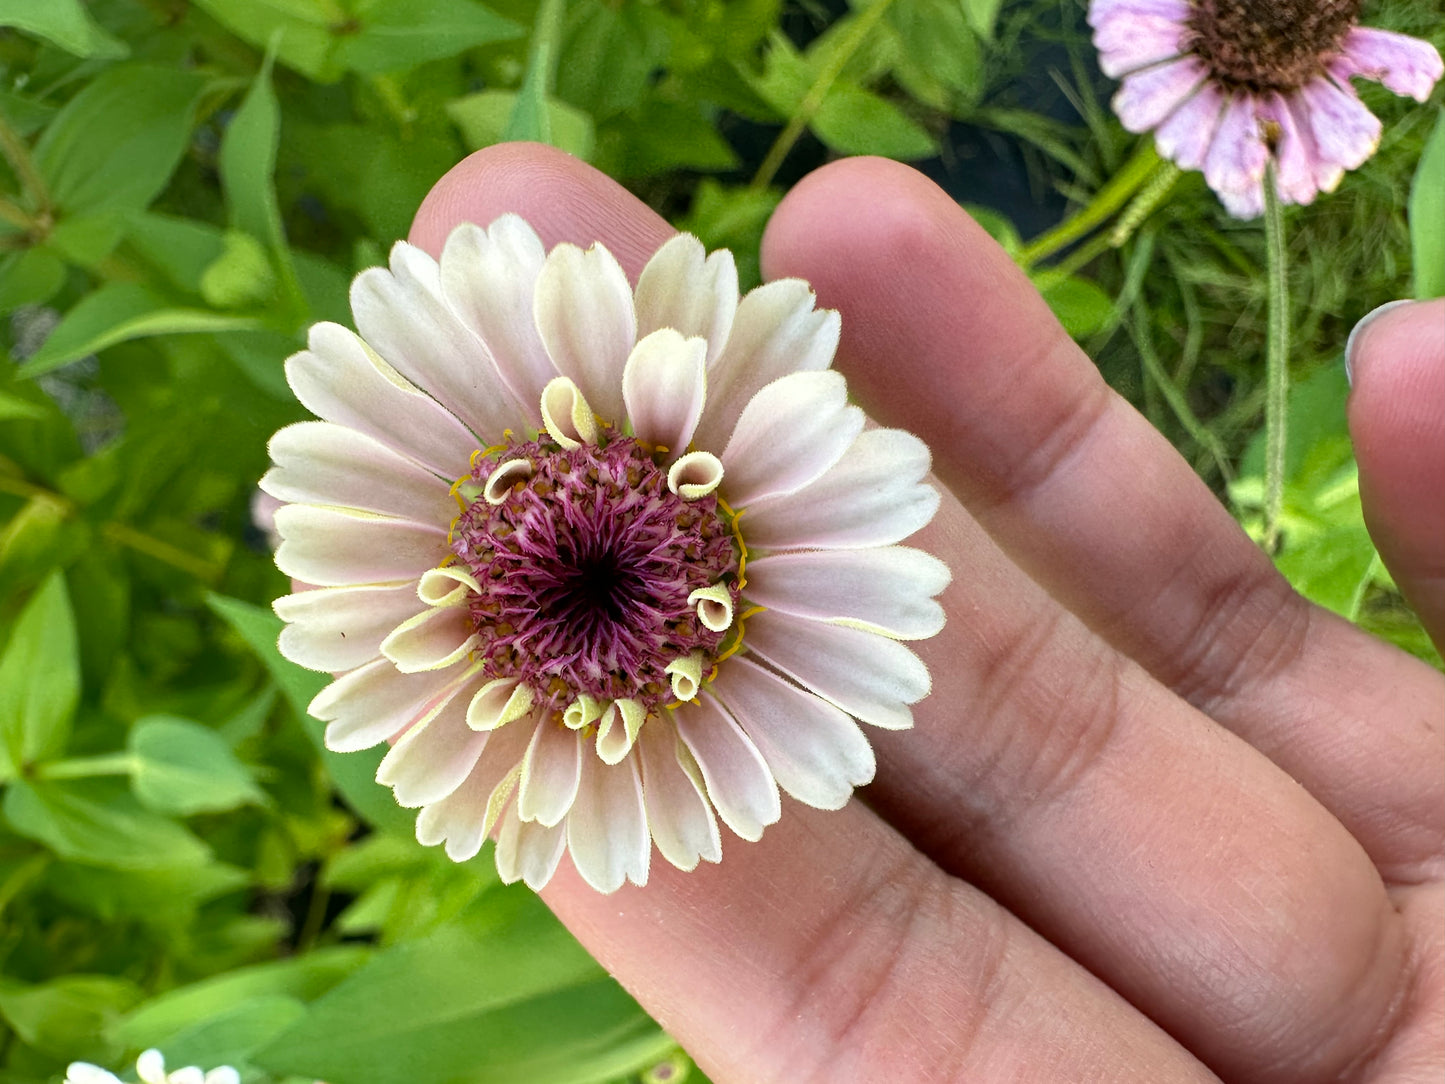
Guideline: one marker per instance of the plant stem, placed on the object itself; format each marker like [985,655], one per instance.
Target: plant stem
[1135,172]
[18,155]
[86,767]
[1174,395]
[813,99]
[1276,360]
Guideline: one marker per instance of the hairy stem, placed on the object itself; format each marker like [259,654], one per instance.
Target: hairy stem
[1276,360]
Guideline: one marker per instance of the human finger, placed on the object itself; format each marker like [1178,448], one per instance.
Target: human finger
[945,336]
[1397,361]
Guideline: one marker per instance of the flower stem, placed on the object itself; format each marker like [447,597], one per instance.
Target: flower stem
[1276,360]
[18,155]
[813,99]
[1135,172]
[86,767]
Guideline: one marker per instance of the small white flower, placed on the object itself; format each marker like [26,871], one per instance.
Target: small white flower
[151,1068]
[598,562]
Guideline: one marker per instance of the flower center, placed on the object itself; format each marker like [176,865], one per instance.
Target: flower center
[1262,45]
[596,578]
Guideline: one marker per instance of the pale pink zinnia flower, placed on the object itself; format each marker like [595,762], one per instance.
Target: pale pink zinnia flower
[597,561]
[1228,83]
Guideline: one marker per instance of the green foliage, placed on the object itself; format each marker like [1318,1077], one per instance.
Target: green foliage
[186,185]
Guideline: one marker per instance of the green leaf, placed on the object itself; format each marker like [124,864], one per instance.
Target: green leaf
[1427,215]
[65,23]
[482,119]
[31,277]
[39,680]
[398,34]
[13,408]
[183,767]
[178,1011]
[115,144]
[852,120]
[1080,306]
[116,313]
[940,61]
[181,249]
[606,58]
[240,276]
[353,773]
[229,1037]
[156,897]
[67,1017]
[100,822]
[505,997]
[981,15]
[306,31]
[87,239]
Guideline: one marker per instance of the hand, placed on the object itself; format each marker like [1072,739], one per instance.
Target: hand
[1160,819]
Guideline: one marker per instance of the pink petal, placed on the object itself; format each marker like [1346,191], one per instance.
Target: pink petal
[1327,174]
[1345,132]
[1102,12]
[682,823]
[527,851]
[1185,137]
[685,289]
[1135,41]
[338,628]
[333,547]
[738,781]
[1403,64]
[375,703]
[1234,166]
[664,386]
[607,827]
[433,758]
[1294,153]
[1149,96]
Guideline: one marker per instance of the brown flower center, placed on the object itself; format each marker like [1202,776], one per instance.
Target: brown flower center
[1264,45]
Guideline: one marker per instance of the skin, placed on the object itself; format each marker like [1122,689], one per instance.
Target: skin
[1161,819]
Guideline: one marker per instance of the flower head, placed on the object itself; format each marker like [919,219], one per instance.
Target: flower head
[1228,84]
[600,563]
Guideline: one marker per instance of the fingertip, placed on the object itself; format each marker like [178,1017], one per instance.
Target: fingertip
[563,198]
[1398,426]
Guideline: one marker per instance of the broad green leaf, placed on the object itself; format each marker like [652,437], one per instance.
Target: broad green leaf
[12,408]
[397,34]
[155,897]
[116,313]
[39,680]
[306,31]
[981,15]
[353,773]
[504,998]
[67,1017]
[181,249]
[482,119]
[98,821]
[229,1037]
[1427,215]
[39,537]
[240,276]
[115,144]
[183,767]
[659,136]
[87,239]
[940,61]
[31,277]
[65,23]
[606,59]
[302,978]
[852,120]
[1079,305]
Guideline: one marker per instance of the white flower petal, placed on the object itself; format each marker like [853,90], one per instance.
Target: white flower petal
[189,1074]
[151,1067]
[528,851]
[336,547]
[551,771]
[738,781]
[776,331]
[322,463]
[223,1074]
[678,814]
[888,590]
[432,640]
[663,387]
[871,677]
[460,820]
[583,308]
[873,496]
[814,750]
[607,827]
[374,703]
[403,316]
[82,1072]
[339,628]
[566,414]
[694,295]
[488,277]
[617,730]
[432,759]
[343,381]
[789,435]
[499,702]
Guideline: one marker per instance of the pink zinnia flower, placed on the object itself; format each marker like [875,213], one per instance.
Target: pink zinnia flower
[598,561]
[1225,84]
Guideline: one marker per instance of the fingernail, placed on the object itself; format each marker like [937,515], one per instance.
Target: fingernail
[1368,318]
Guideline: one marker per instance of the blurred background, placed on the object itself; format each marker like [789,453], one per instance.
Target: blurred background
[186,185]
